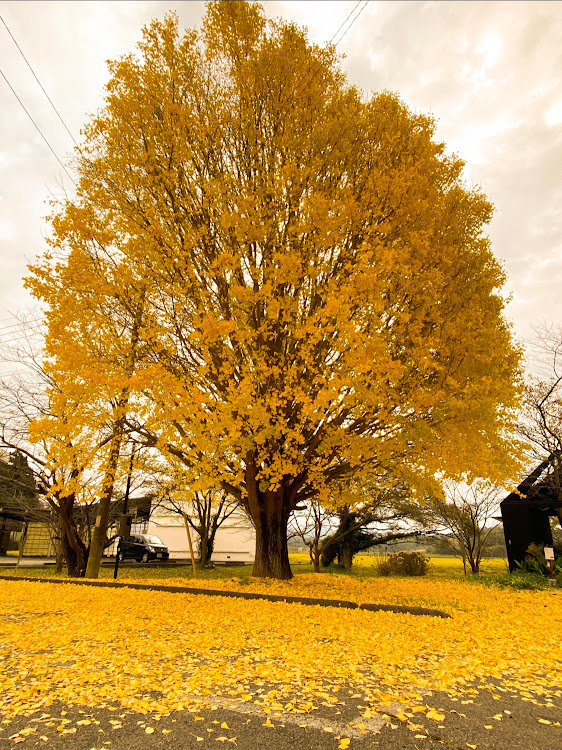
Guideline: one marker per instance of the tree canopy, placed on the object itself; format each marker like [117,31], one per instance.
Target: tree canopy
[273,278]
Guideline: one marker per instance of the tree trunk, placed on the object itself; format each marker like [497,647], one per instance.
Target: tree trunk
[474,560]
[211,544]
[464,563]
[347,553]
[59,558]
[57,541]
[73,563]
[100,529]
[99,536]
[203,545]
[74,549]
[211,534]
[316,560]
[270,515]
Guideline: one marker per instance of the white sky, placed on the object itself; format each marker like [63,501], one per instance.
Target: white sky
[490,72]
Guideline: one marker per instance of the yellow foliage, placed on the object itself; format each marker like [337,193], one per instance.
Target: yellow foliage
[281,289]
[107,647]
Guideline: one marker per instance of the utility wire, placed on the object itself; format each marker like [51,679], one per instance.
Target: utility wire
[37,127]
[303,80]
[38,81]
[351,24]
[343,23]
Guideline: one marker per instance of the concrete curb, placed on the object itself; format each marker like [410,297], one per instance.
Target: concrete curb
[238,595]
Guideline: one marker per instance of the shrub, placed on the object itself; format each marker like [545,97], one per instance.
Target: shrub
[403,564]
[535,562]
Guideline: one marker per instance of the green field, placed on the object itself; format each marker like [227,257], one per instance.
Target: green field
[440,567]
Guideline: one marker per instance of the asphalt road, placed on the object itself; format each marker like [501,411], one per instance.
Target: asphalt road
[505,724]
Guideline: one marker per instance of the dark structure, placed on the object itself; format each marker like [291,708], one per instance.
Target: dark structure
[19,501]
[526,512]
[9,521]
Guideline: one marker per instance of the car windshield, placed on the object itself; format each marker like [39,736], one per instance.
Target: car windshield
[152,539]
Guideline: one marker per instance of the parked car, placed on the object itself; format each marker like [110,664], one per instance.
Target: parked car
[142,548]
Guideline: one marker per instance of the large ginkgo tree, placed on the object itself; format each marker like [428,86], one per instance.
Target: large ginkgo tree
[301,278]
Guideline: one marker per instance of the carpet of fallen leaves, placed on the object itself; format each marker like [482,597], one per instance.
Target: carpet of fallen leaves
[159,652]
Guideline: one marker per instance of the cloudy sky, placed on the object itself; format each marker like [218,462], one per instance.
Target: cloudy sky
[489,72]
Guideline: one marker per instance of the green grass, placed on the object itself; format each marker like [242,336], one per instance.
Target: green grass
[141,572]
[444,568]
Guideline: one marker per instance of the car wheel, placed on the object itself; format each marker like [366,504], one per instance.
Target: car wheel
[146,557]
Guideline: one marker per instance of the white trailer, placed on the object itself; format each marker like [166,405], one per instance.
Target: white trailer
[235,541]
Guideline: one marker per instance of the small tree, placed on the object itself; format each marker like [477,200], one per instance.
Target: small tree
[36,417]
[312,525]
[205,512]
[360,515]
[540,423]
[465,515]
[359,531]
[23,400]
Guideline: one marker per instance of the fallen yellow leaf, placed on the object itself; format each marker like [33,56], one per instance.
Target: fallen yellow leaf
[435,715]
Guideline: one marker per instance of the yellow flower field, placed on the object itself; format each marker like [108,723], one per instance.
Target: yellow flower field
[157,652]
[450,563]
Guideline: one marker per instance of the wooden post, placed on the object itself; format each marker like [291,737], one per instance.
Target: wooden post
[23,540]
[190,545]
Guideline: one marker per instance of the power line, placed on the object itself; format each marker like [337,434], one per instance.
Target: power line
[342,132]
[37,127]
[351,24]
[297,88]
[344,22]
[38,81]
